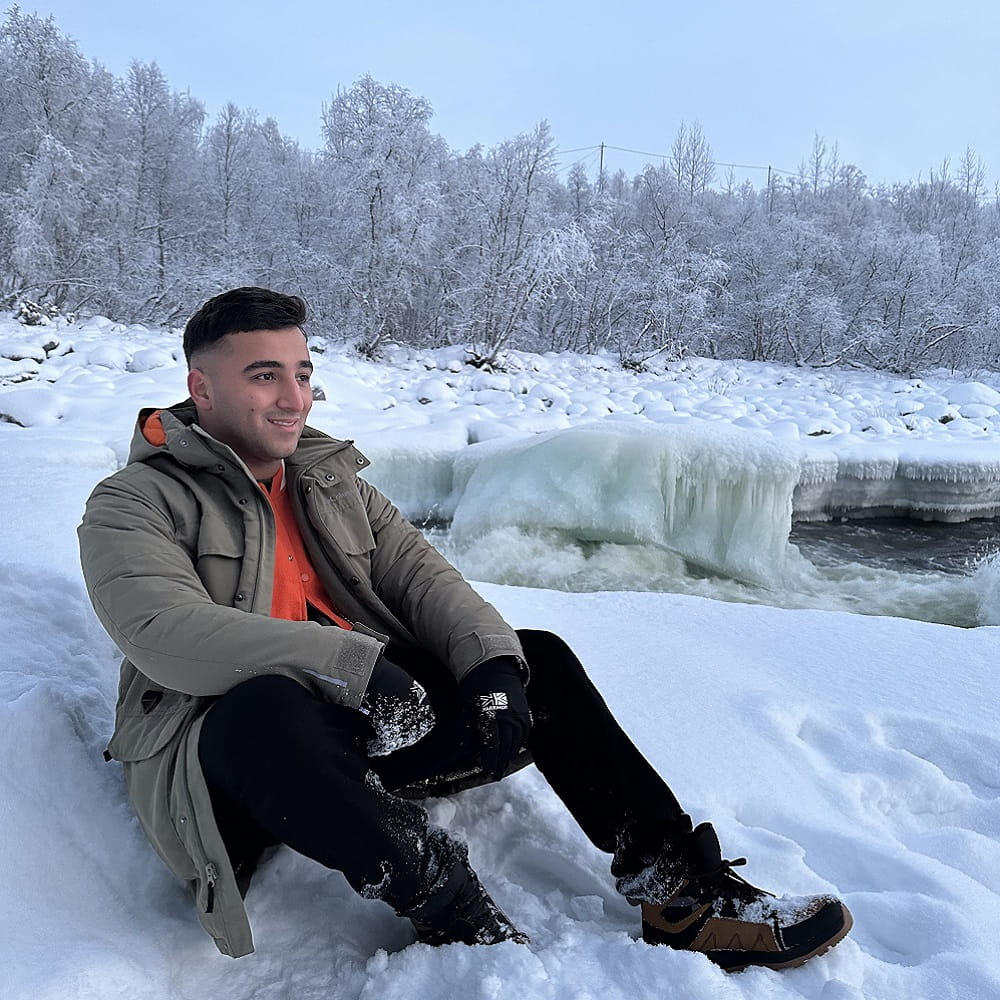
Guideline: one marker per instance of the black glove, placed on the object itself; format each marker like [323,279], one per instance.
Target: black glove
[495,712]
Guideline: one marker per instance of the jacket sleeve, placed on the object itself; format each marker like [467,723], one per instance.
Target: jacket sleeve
[425,592]
[148,596]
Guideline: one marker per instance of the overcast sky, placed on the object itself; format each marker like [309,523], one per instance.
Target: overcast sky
[898,84]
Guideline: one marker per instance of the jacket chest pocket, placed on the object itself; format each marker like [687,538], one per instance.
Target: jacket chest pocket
[342,519]
[219,558]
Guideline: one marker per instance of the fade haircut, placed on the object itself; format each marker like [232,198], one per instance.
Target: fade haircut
[239,311]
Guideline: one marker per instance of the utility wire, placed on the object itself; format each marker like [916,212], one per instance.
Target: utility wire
[666,156]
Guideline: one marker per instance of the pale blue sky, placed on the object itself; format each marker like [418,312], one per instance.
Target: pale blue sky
[898,84]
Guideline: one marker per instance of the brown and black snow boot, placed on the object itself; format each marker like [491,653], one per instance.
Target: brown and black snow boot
[736,924]
[463,911]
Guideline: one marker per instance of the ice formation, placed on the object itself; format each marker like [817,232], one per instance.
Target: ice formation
[951,481]
[720,497]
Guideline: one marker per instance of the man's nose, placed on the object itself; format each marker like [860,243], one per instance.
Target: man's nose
[291,396]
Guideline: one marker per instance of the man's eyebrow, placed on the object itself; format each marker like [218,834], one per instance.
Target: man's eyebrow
[255,366]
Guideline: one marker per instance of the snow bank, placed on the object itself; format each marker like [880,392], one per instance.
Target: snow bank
[866,442]
[838,752]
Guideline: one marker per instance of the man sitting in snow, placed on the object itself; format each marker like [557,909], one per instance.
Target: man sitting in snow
[301,664]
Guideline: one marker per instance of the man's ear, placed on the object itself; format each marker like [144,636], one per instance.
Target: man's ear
[200,389]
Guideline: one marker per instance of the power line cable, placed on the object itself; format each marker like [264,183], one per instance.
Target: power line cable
[665,156]
[586,161]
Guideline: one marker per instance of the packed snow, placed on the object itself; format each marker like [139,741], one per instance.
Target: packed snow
[845,753]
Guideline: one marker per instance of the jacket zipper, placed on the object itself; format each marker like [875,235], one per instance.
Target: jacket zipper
[211,877]
[264,513]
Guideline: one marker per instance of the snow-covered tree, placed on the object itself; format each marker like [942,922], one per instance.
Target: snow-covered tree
[116,197]
[54,109]
[691,160]
[507,258]
[383,168]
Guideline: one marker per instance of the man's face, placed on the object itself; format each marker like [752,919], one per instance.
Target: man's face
[253,393]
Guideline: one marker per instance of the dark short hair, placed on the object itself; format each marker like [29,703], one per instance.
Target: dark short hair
[239,311]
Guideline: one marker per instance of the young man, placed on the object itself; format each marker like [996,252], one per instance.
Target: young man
[301,664]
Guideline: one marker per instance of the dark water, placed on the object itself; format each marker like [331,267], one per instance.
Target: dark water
[899,544]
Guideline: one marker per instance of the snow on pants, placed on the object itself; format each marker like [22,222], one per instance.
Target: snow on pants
[286,767]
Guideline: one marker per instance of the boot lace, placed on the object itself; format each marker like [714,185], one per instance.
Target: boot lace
[725,883]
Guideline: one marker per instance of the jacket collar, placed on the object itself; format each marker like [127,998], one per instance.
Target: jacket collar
[189,445]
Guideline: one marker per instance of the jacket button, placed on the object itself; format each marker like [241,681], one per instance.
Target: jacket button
[355,581]
[243,501]
[241,597]
[329,477]
[309,489]
[220,468]
[360,460]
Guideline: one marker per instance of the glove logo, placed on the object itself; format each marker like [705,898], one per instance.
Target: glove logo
[495,701]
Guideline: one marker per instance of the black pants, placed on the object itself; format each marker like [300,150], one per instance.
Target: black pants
[286,767]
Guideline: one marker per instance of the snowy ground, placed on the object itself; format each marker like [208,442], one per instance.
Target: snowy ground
[839,752]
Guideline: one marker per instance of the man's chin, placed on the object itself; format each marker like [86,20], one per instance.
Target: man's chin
[283,444]
[275,451]
[286,451]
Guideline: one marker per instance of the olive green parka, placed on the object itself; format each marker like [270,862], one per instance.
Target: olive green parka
[177,550]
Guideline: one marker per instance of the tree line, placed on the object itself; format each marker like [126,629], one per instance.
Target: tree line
[118,196]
